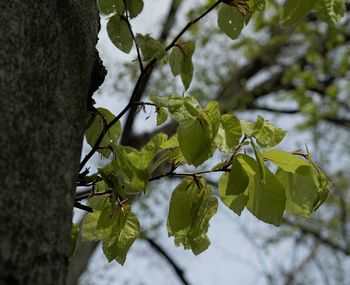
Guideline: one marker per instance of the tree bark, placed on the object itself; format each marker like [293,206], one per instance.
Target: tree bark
[48,67]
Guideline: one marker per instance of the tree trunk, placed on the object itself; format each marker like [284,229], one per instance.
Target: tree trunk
[48,62]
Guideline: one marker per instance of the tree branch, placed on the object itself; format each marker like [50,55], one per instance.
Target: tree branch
[343,122]
[317,235]
[179,272]
[191,23]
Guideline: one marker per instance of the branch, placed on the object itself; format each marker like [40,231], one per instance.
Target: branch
[191,23]
[179,272]
[125,139]
[317,235]
[343,122]
[139,88]
[194,174]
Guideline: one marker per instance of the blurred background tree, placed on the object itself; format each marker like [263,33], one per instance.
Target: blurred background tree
[296,76]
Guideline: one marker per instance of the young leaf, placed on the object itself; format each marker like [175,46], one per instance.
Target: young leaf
[97,121]
[260,160]
[134,7]
[150,47]
[238,179]
[187,72]
[230,20]
[89,228]
[301,192]
[195,140]
[232,128]
[234,202]
[177,106]
[119,33]
[123,236]
[191,208]
[181,62]
[267,198]
[247,128]
[176,60]
[162,115]
[106,218]
[267,134]
[212,114]
[285,160]
[296,10]
[107,7]
[330,11]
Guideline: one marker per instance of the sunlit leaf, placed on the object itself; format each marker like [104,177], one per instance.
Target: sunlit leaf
[191,208]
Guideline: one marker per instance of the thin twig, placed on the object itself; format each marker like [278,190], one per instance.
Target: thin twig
[191,23]
[174,174]
[139,59]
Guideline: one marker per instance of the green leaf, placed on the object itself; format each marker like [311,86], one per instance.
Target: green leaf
[89,230]
[119,33]
[124,234]
[260,160]
[286,160]
[176,60]
[330,11]
[194,136]
[212,114]
[73,239]
[256,5]
[238,179]
[97,121]
[296,10]
[267,198]
[267,134]
[234,202]
[230,20]
[150,47]
[106,218]
[181,62]
[232,128]
[301,192]
[134,7]
[107,7]
[247,128]
[170,143]
[187,72]
[191,208]
[178,106]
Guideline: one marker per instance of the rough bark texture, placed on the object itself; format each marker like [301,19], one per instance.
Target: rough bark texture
[47,60]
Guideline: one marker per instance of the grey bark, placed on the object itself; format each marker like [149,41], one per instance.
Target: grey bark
[47,59]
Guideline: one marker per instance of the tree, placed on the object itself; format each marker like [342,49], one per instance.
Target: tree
[121,32]
[49,67]
[263,56]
